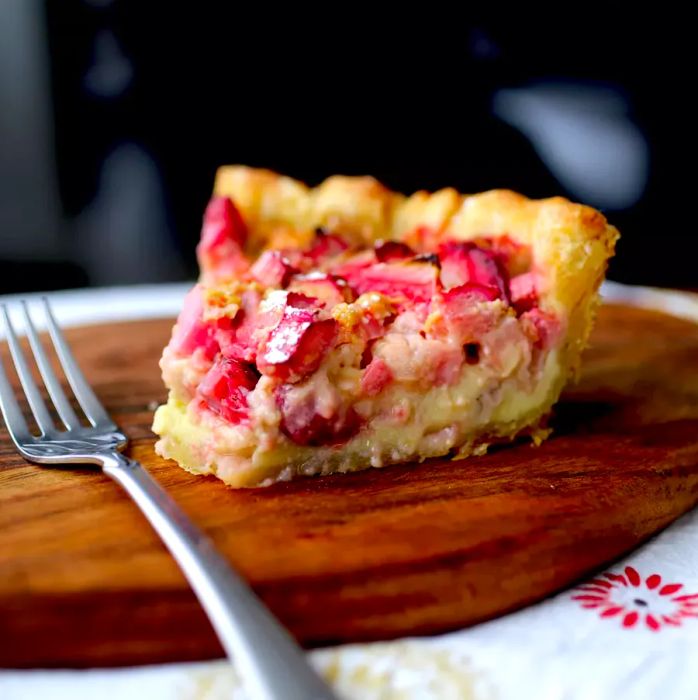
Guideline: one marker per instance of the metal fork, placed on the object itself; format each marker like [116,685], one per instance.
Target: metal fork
[271,664]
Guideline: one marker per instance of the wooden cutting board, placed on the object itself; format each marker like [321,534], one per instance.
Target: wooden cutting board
[384,553]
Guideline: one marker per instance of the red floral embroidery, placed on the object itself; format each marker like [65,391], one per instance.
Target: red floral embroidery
[626,597]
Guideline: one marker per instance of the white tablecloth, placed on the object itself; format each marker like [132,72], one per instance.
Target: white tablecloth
[589,643]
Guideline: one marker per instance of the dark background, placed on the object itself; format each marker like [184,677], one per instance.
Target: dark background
[116,114]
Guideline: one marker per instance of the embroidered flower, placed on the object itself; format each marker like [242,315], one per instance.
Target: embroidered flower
[630,599]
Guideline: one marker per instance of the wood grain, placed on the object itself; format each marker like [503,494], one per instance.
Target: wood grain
[384,553]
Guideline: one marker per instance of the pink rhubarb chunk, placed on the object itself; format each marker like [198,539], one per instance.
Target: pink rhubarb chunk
[410,281]
[524,295]
[239,337]
[191,332]
[541,327]
[273,269]
[222,223]
[393,250]
[225,387]
[515,257]
[463,317]
[376,377]
[326,245]
[304,422]
[468,294]
[296,346]
[330,290]
[464,262]
[223,236]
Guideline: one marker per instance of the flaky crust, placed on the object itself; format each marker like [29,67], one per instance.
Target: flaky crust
[571,243]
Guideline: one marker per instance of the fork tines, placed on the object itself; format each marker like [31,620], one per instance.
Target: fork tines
[86,398]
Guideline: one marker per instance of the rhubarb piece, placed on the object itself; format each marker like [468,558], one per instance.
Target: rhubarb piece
[222,223]
[405,328]
[225,388]
[415,282]
[541,327]
[463,263]
[376,377]
[240,337]
[305,421]
[221,249]
[328,289]
[299,300]
[514,256]
[393,250]
[463,313]
[297,345]
[522,290]
[326,245]
[470,293]
[191,332]
[273,269]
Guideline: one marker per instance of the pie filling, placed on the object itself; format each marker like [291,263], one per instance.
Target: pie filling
[318,359]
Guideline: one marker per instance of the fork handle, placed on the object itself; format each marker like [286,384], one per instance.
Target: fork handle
[269,660]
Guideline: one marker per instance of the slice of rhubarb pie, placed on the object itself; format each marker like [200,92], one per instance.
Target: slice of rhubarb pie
[347,326]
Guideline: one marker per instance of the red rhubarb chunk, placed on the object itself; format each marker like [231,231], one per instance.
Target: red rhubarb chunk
[299,300]
[515,256]
[239,338]
[393,250]
[522,289]
[191,332]
[462,317]
[273,269]
[223,222]
[328,289]
[466,295]
[296,346]
[464,262]
[411,281]
[355,265]
[220,250]
[303,420]
[326,245]
[376,377]
[252,326]
[225,387]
